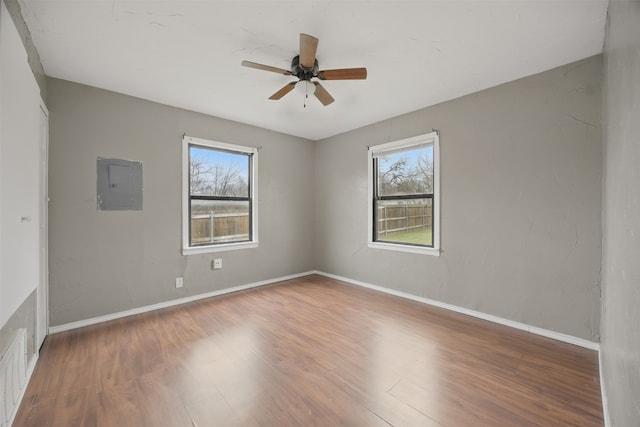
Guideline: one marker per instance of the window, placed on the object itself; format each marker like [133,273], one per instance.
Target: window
[219,189]
[404,195]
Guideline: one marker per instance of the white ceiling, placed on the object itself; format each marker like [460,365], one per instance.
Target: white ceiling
[188,53]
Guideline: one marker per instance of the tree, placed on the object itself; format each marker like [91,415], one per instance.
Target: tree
[406,175]
[424,169]
[395,177]
[216,179]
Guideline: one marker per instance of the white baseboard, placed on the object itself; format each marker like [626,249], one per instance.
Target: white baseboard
[147,308]
[491,318]
[603,393]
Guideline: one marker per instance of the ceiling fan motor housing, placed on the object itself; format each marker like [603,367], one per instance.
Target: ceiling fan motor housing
[301,72]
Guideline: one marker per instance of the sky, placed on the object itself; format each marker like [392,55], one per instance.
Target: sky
[212,156]
[411,156]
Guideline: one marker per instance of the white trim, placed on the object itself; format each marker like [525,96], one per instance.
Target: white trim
[404,248]
[603,393]
[581,342]
[436,227]
[253,186]
[428,138]
[194,250]
[42,301]
[30,369]
[399,145]
[179,301]
[185,193]
[570,339]
[221,145]
[473,313]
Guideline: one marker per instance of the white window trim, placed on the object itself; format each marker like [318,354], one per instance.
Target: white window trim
[376,150]
[193,250]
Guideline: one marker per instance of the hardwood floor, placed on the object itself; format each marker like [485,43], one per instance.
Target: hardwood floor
[309,352]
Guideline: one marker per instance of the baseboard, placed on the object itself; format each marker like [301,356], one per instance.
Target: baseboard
[473,313]
[30,369]
[603,393]
[489,317]
[179,301]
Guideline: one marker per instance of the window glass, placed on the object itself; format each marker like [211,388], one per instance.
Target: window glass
[406,172]
[219,188]
[403,191]
[219,193]
[219,221]
[407,221]
[218,173]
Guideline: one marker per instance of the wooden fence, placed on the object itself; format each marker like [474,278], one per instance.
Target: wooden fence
[219,227]
[397,218]
[235,226]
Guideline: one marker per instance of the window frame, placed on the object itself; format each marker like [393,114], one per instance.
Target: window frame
[407,143]
[187,249]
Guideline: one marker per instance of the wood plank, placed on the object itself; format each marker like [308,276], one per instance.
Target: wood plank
[310,351]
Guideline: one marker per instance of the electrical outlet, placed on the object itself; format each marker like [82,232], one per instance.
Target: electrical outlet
[179,282]
[217,264]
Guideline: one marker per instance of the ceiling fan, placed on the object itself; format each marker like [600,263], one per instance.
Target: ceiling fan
[305,67]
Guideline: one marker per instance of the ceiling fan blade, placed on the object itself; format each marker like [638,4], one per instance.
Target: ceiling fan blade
[308,47]
[343,74]
[282,92]
[266,68]
[322,94]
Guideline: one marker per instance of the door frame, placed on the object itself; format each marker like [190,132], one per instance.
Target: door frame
[42,297]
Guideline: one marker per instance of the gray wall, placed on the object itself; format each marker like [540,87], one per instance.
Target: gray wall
[521,202]
[24,316]
[103,262]
[620,347]
[33,57]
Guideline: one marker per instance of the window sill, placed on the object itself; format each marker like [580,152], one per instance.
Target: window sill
[404,248]
[218,248]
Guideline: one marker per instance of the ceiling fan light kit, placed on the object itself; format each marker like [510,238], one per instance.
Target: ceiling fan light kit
[305,67]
